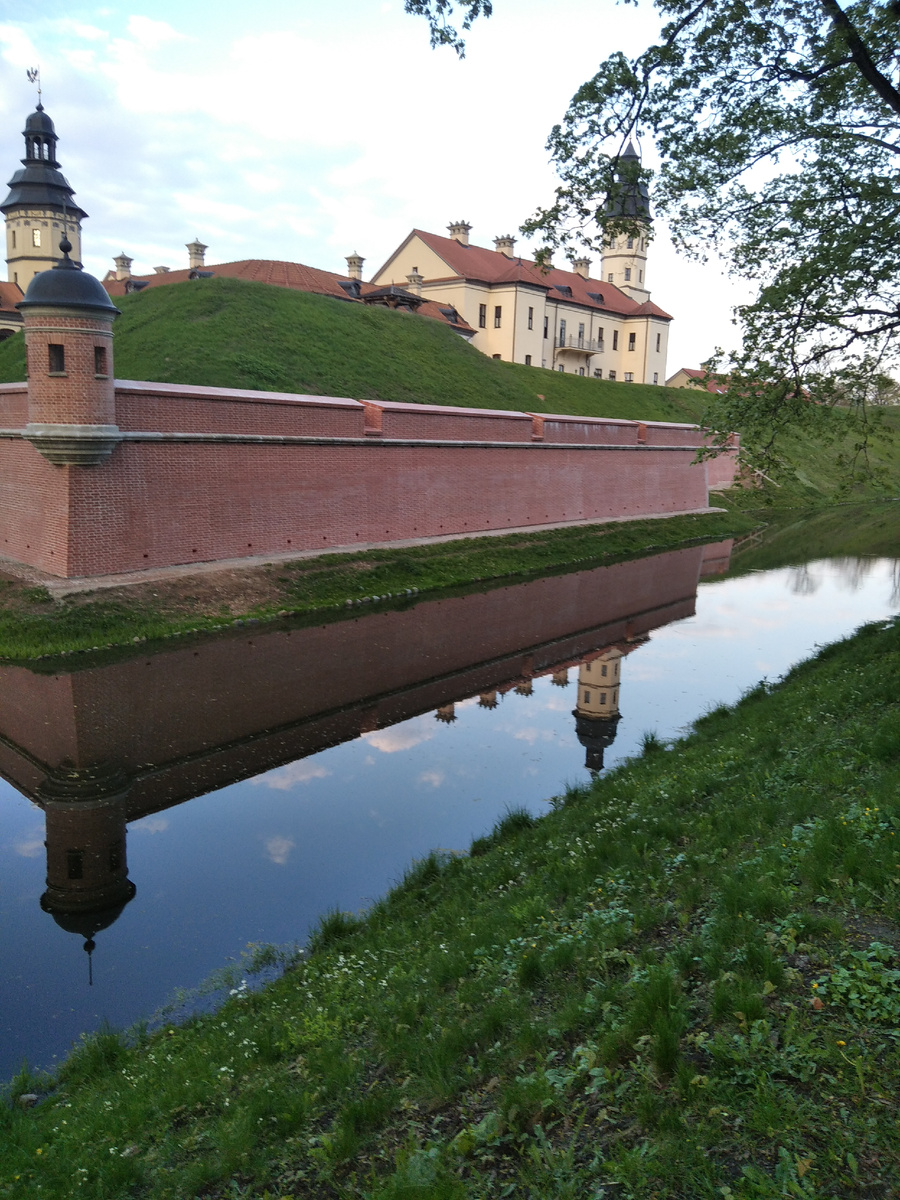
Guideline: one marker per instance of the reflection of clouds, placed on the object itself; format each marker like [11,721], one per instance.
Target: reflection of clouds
[468,703]
[30,847]
[403,736]
[286,777]
[558,703]
[435,778]
[155,824]
[278,849]
[532,735]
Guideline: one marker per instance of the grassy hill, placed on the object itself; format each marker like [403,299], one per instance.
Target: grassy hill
[230,333]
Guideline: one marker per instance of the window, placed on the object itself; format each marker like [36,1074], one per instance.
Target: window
[482,316]
[632,341]
[603,697]
[581,370]
[628,274]
[527,360]
[497,356]
[587,697]
[581,335]
[35,237]
[75,864]
[497,311]
[615,339]
[100,360]
[57,359]
[598,374]
[656,376]
[562,333]
[13,239]
[609,277]
[658,341]
[640,276]
[603,670]
[629,376]
[531,318]
[600,338]
[629,245]
[561,368]
[546,326]
[612,375]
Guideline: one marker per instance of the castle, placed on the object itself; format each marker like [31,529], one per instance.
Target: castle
[103,476]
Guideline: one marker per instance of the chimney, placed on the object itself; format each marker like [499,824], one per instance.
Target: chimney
[415,281]
[123,266]
[162,270]
[196,250]
[582,267]
[460,231]
[505,245]
[354,265]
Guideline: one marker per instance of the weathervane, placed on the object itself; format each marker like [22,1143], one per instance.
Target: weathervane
[34,76]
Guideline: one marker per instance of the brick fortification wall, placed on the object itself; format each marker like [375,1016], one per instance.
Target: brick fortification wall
[205,474]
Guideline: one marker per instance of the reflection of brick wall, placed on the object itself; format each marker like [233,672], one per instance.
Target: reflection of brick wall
[207,474]
[233,706]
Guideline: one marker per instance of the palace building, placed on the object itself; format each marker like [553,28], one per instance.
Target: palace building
[564,320]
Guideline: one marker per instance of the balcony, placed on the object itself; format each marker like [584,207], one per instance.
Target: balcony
[579,344]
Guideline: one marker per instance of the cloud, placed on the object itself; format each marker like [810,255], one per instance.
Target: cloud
[32,847]
[403,736]
[278,849]
[435,778]
[283,778]
[154,824]
[531,735]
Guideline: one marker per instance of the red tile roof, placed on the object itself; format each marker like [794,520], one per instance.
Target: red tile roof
[493,267]
[10,295]
[295,276]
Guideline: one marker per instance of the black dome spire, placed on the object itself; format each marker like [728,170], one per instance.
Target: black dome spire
[40,183]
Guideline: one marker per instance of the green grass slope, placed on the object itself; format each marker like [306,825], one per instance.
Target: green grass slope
[230,333]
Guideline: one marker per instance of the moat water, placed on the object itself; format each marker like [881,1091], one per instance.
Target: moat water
[174,810]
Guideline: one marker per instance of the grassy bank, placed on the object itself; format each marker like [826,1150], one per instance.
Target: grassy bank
[681,982]
[33,624]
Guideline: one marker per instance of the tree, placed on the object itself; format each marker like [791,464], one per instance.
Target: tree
[777,124]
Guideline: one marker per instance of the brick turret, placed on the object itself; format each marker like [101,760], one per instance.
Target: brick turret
[68,342]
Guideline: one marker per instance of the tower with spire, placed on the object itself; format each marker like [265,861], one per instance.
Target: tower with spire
[39,209]
[624,261]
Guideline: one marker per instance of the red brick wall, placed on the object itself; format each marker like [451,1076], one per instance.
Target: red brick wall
[159,501]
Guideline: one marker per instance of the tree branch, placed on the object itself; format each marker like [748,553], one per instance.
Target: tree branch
[860,55]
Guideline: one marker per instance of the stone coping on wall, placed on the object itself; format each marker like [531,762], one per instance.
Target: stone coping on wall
[195,391]
[256,439]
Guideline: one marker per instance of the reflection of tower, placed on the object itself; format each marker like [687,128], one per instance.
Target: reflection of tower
[446,713]
[524,689]
[596,710]
[560,678]
[87,870]
[487,699]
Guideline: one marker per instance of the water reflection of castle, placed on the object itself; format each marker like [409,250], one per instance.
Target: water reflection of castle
[108,744]
[596,709]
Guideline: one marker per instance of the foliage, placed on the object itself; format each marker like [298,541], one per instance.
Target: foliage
[778,129]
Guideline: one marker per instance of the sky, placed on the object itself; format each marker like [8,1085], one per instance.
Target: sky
[308,131]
